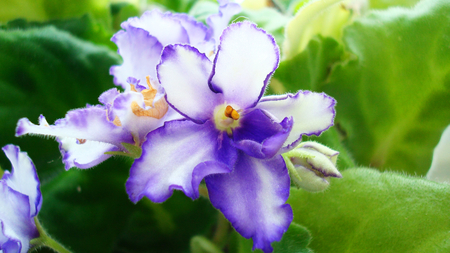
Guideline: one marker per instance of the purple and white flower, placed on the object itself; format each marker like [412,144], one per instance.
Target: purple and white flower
[232,136]
[20,201]
[88,136]
[143,39]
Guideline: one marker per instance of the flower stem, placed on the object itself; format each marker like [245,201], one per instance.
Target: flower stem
[46,241]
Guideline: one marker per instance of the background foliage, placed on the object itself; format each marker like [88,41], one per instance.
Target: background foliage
[387,63]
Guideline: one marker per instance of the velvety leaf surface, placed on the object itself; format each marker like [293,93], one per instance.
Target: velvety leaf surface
[85,27]
[393,100]
[269,19]
[174,5]
[296,240]
[369,211]
[308,70]
[42,10]
[384,4]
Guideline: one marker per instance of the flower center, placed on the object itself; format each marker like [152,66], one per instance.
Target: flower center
[159,108]
[226,118]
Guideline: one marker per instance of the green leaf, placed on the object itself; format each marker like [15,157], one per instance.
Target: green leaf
[122,11]
[174,5]
[202,9]
[393,100]
[43,10]
[166,227]
[47,71]
[310,69]
[369,211]
[295,240]
[384,4]
[86,210]
[85,27]
[268,19]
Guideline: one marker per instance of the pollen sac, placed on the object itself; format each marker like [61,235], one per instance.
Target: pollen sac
[158,109]
[231,113]
[311,165]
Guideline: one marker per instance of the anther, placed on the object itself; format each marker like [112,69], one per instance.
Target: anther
[231,113]
[81,141]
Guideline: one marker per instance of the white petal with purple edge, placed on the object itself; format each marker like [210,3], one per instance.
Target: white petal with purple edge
[246,58]
[17,227]
[140,53]
[253,198]
[183,73]
[313,113]
[160,25]
[85,124]
[176,156]
[84,155]
[23,177]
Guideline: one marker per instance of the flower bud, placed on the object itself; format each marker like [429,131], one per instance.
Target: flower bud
[311,164]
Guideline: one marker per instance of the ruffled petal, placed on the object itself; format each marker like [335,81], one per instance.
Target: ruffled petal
[23,177]
[163,26]
[107,97]
[84,124]
[217,22]
[259,135]
[252,197]
[196,30]
[183,73]
[17,227]
[246,58]
[140,52]
[313,113]
[84,155]
[177,156]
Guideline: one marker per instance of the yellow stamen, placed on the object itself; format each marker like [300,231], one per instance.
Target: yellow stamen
[117,121]
[81,141]
[231,113]
[159,108]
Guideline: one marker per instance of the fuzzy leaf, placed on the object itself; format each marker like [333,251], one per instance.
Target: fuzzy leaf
[369,211]
[393,100]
